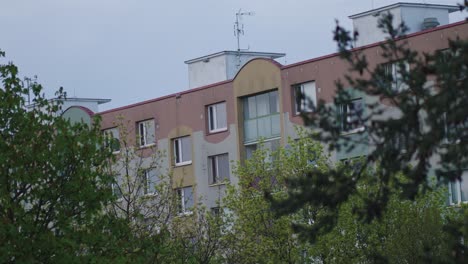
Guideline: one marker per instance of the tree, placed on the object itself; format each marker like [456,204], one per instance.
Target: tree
[143,194]
[198,238]
[407,232]
[424,113]
[148,205]
[252,231]
[52,190]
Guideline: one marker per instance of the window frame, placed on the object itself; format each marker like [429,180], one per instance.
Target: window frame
[212,114]
[344,117]
[271,101]
[182,208]
[143,140]
[300,100]
[270,145]
[458,188]
[178,151]
[455,133]
[149,187]
[116,188]
[392,71]
[110,139]
[213,170]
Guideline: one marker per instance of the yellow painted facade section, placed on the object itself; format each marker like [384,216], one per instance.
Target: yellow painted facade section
[257,76]
[182,176]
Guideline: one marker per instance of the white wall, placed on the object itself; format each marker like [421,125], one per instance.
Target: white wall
[367,27]
[203,73]
[412,16]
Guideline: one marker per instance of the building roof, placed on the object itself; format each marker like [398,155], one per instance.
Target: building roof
[85,109]
[75,99]
[271,55]
[450,8]
[375,44]
[91,100]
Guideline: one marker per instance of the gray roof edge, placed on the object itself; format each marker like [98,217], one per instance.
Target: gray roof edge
[272,55]
[97,100]
[450,8]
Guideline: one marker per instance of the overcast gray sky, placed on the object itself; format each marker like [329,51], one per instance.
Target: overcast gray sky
[130,51]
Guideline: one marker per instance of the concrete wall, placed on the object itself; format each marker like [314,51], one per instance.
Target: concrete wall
[202,73]
[412,16]
[367,27]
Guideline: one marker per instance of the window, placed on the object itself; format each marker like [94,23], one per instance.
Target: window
[270,146]
[116,190]
[393,74]
[149,181]
[261,116]
[452,57]
[456,128]
[215,212]
[116,187]
[458,190]
[185,200]
[146,133]
[250,150]
[217,117]
[351,116]
[354,164]
[400,142]
[305,96]
[111,139]
[218,168]
[182,151]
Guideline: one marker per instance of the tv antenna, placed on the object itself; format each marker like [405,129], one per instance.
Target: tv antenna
[239,30]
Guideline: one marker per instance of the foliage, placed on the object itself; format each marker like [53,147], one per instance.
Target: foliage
[253,232]
[426,116]
[407,232]
[145,201]
[52,189]
[142,188]
[197,238]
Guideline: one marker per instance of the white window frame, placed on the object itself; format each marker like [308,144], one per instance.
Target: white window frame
[345,119]
[268,111]
[305,93]
[271,145]
[182,209]
[116,187]
[392,69]
[213,114]
[147,182]
[178,152]
[143,133]
[213,162]
[110,135]
[458,190]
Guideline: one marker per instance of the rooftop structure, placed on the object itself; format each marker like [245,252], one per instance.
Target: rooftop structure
[416,16]
[221,66]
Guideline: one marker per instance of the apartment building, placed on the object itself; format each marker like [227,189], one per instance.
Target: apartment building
[237,98]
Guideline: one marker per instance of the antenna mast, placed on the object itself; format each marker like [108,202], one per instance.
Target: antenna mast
[239,30]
